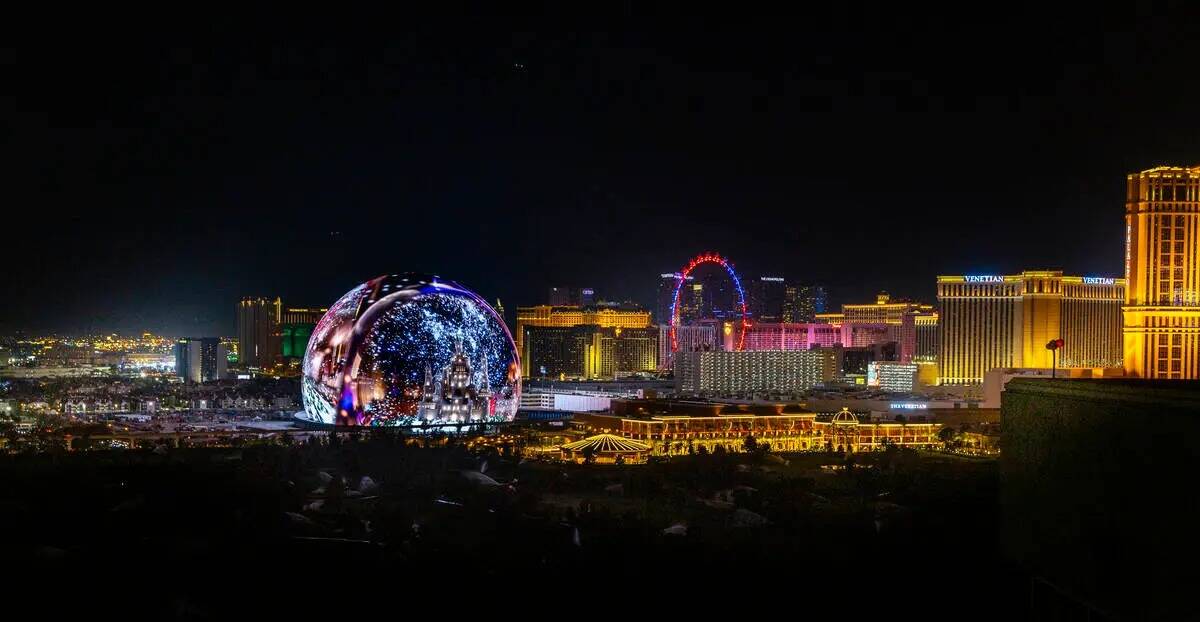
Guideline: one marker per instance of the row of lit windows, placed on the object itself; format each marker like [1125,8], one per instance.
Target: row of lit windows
[976,336]
[745,371]
[979,290]
[1168,192]
[979,335]
[1171,322]
[1042,286]
[1172,356]
[1168,345]
[1167,271]
[1091,330]
[1077,291]
[927,341]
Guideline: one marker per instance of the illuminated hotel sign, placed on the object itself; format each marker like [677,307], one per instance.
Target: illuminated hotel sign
[984,279]
[773,279]
[1098,280]
[907,406]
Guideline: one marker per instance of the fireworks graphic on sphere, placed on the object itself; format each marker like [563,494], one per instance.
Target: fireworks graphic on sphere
[410,349]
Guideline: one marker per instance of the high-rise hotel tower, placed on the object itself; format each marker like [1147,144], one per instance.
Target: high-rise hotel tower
[987,322]
[258,331]
[571,316]
[1162,266]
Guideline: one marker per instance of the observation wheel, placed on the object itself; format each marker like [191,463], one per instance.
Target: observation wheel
[708,258]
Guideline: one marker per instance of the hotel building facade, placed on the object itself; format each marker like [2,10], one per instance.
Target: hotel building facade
[884,311]
[1161,317]
[751,371]
[892,376]
[912,325]
[689,338]
[925,334]
[588,351]
[258,321]
[986,322]
[780,336]
[572,316]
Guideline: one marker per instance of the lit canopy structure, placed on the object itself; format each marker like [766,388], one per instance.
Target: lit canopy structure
[606,448]
[845,417]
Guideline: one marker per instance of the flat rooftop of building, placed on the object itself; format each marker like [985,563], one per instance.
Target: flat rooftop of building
[643,408]
[608,386]
[1171,394]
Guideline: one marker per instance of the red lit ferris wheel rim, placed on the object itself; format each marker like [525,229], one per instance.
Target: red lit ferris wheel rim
[708,258]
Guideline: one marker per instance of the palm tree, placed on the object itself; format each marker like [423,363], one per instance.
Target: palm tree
[946,435]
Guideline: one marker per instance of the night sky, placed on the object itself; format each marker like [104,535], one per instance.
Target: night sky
[155,181]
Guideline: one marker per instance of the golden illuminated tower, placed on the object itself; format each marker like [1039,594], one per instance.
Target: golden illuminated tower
[1162,266]
[1040,316]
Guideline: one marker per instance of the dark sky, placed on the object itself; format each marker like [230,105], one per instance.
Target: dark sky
[154,181]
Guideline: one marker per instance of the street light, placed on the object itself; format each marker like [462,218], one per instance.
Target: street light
[1053,347]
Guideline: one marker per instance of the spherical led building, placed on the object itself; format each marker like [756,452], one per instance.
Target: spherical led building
[410,350]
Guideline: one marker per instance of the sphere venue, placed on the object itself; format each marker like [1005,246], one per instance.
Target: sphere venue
[410,350]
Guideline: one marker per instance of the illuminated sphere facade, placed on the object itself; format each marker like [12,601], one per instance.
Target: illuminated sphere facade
[409,350]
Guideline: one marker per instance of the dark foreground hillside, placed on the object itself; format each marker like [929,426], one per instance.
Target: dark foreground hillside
[375,525]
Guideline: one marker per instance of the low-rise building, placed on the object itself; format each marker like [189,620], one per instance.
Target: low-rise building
[892,376]
[799,431]
[568,401]
[753,371]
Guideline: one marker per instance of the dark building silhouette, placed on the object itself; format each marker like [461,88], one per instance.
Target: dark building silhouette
[200,360]
[1098,495]
[589,351]
[258,332]
[768,296]
[802,303]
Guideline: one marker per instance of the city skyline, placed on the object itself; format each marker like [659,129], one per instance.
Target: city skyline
[863,158]
[646,303]
[127,329]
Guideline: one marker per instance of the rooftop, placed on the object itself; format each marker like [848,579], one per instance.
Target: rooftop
[1170,169]
[1171,395]
[607,443]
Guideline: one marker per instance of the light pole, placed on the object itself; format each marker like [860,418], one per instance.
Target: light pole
[1053,347]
